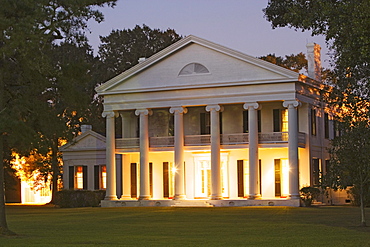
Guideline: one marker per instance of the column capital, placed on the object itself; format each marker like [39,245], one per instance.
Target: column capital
[293,103]
[110,114]
[178,110]
[254,105]
[214,108]
[143,112]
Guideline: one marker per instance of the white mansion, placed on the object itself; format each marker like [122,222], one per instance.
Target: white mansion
[205,125]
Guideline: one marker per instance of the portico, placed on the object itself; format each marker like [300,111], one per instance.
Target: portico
[201,121]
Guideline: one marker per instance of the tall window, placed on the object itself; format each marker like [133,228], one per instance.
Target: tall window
[280,120]
[205,123]
[316,171]
[313,122]
[100,177]
[133,171]
[246,121]
[78,177]
[326,123]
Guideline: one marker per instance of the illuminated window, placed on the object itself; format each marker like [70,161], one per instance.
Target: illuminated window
[284,120]
[100,177]
[281,177]
[79,182]
[103,177]
[194,68]
[280,120]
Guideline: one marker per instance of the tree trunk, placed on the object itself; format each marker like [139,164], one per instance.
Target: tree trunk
[362,207]
[3,224]
[55,169]
[4,230]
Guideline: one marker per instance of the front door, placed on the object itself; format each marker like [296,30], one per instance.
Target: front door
[202,176]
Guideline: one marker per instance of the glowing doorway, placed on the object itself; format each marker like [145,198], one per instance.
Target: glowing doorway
[202,175]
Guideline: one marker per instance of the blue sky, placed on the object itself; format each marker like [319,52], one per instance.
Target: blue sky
[237,24]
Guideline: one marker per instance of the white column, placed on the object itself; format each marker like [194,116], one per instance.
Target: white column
[126,179]
[144,154]
[293,147]
[253,149]
[216,179]
[179,152]
[111,192]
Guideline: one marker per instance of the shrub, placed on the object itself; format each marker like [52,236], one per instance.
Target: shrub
[308,194]
[79,198]
[355,196]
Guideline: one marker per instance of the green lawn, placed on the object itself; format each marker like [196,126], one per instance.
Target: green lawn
[158,226]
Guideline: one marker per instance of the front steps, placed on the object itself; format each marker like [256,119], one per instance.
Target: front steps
[192,204]
[201,203]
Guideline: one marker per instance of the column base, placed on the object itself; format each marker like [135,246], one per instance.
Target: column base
[123,197]
[217,198]
[144,197]
[110,197]
[179,197]
[254,197]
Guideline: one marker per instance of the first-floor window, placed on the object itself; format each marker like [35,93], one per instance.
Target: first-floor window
[78,177]
[316,171]
[100,177]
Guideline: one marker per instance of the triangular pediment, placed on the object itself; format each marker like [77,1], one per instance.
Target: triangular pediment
[217,66]
[89,140]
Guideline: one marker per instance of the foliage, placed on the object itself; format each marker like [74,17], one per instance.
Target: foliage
[309,194]
[355,196]
[79,198]
[292,62]
[346,26]
[121,49]
[29,32]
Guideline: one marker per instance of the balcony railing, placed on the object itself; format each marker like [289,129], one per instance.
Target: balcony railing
[204,140]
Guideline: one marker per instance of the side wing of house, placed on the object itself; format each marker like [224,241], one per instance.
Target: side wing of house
[84,162]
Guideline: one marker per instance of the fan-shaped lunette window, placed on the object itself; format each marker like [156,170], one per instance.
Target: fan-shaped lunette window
[194,68]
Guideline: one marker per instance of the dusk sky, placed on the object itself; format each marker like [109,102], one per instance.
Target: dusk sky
[237,24]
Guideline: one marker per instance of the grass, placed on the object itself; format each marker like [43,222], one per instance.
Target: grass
[158,226]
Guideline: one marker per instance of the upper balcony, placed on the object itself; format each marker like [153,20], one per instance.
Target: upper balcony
[205,140]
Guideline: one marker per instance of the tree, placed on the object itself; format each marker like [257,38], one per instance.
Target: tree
[349,163]
[292,62]
[121,50]
[29,29]
[346,26]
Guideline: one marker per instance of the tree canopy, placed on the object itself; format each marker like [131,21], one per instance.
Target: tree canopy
[31,32]
[346,26]
[292,62]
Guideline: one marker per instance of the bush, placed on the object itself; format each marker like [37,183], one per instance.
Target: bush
[355,196]
[79,198]
[308,194]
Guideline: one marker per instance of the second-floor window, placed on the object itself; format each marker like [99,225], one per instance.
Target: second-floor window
[313,122]
[205,123]
[280,120]
[246,121]
[326,123]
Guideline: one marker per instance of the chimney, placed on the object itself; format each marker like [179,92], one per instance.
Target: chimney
[314,61]
[85,128]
